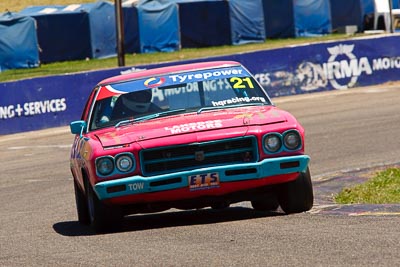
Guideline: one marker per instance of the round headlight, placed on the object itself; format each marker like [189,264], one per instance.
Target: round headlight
[292,140]
[272,143]
[124,163]
[105,166]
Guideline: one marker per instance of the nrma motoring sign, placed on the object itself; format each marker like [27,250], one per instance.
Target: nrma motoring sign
[343,68]
[338,65]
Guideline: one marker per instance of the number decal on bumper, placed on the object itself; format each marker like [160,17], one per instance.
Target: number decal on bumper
[203,181]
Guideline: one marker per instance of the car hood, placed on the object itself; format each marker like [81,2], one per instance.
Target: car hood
[192,123]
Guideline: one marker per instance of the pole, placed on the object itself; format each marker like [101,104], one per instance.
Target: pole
[391,17]
[120,32]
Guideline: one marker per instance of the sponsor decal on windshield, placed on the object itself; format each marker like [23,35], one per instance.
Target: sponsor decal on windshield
[175,79]
[154,82]
[237,100]
[241,83]
[206,75]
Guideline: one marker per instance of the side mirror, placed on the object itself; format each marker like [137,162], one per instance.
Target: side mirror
[77,127]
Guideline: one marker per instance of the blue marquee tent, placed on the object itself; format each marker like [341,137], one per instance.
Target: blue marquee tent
[247,21]
[158,26]
[312,17]
[204,23]
[131,29]
[102,27]
[368,6]
[81,31]
[296,18]
[63,32]
[279,18]
[18,42]
[346,12]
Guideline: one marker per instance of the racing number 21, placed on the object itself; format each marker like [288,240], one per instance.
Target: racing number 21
[240,83]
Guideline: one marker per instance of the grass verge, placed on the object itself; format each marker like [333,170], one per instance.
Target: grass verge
[383,188]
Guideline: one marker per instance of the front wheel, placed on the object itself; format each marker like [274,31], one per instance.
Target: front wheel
[297,196]
[265,202]
[81,205]
[103,218]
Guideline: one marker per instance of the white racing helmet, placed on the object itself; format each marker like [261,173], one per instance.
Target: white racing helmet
[138,102]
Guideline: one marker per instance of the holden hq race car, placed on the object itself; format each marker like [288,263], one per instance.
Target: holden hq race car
[185,137]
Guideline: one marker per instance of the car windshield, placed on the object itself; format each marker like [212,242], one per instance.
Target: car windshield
[196,91]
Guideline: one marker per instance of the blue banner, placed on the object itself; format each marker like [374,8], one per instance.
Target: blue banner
[45,102]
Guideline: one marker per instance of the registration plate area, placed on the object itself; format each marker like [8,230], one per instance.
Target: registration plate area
[204,181]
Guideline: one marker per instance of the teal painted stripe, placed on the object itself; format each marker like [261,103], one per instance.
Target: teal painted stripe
[139,184]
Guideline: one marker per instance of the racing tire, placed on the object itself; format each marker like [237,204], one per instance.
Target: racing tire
[297,196]
[103,218]
[81,205]
[265,203]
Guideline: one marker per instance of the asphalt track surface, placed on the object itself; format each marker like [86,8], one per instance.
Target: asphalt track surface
[349,133]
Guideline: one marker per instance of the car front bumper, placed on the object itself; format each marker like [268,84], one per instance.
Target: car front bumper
[203,180]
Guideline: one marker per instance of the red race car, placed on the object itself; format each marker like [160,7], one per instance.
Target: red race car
[186,137]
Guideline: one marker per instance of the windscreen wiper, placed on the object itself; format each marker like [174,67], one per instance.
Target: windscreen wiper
[150,116]
[200,110]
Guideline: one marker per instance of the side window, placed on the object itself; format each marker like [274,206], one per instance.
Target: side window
[102,112]
[85,113]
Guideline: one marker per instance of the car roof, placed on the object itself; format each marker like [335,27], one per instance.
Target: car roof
[168,70]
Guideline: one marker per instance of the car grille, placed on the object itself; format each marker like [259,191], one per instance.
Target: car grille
[163,160]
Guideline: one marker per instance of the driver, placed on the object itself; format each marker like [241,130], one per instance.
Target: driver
[138,102]
[131,104]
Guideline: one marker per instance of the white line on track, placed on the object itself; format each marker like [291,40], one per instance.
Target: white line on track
[38,147]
